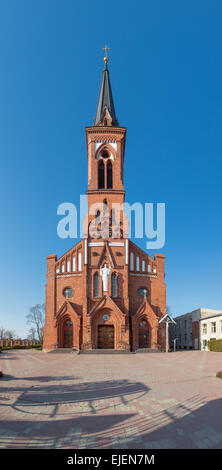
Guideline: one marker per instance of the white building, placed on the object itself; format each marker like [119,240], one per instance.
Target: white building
[194,329]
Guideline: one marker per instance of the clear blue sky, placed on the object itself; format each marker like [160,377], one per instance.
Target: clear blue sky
[166,75]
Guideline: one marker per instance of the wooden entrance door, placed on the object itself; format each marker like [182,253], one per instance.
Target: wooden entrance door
[68,335]
[105,337]
[143,334]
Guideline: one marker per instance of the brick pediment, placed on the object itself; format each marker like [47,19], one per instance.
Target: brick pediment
[66,309]
[106,302]
[145,309]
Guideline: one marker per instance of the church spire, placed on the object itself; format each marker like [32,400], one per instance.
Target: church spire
[105,113]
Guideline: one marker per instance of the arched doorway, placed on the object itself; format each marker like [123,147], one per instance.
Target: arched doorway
[143,334]
[105,337]
[68,334]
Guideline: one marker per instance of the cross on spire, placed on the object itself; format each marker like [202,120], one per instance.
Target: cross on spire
[106,49]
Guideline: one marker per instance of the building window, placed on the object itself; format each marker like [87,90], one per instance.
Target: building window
[109,175]
[143,292]
[114,285]
[131,261]
[204,326]
[68,292]
[63,268]
[101,177]
[57,270]
[143,265]
[190,323]
[68,266]
[185,338]
[148,268]
[137,263]
[79,261]
[185,324]
[154,270]
[74,263]
[213,327]
[96,285]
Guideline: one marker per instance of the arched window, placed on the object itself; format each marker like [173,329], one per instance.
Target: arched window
[79,261]
[68,266]
[137,263]
[109,175]
[143,265]
[98,214]
[132,261]
[105,208]
[114,285]
[96,285]
[73,263]
[101,178]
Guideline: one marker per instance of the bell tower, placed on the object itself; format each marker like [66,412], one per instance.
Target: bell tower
[105,142]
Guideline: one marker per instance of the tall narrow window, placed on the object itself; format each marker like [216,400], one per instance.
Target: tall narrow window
[137,263]
[114,285]
[101,178]
[143,265]
[131,261]
[68,266]
[73,263]
[109,175]
[96,285]
[79,261]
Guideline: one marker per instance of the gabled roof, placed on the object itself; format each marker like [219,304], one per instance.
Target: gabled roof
[105,101]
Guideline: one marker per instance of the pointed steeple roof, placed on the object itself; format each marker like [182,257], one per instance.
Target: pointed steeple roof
[105,106]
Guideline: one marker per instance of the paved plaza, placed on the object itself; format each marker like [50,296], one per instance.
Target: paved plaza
[146,401]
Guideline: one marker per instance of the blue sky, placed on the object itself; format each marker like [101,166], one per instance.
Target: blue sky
[166,74]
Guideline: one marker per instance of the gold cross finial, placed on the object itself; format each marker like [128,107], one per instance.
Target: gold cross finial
[106,49]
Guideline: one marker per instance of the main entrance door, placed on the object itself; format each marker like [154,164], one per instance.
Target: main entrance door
[143,334]
[105,337]
[68,335]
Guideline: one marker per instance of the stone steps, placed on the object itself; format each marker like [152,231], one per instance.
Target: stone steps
[63,350]
[104,351]
[147,350]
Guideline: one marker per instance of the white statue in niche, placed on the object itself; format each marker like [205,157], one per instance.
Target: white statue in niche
[105,273]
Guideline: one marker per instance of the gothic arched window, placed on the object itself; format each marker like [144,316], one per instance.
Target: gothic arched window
[101,177]
[114,285]
[109,175]
[96,285]
[131,261]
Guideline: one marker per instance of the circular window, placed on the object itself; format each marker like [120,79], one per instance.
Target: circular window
[143,323]
[143,292]
[105,317]
[68,292]
[105,153]
[68,323]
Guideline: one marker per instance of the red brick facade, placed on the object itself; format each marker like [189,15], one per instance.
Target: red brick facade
[134,318]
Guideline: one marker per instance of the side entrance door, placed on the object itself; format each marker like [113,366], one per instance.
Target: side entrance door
[143,334]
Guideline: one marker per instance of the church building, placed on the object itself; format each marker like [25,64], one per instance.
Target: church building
[105,292]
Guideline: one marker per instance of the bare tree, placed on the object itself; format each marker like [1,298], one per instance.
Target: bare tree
[2,332]
[7,334]
[36,317]
[32,334]
[10,334]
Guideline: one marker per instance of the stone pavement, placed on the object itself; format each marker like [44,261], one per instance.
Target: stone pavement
[146,401]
